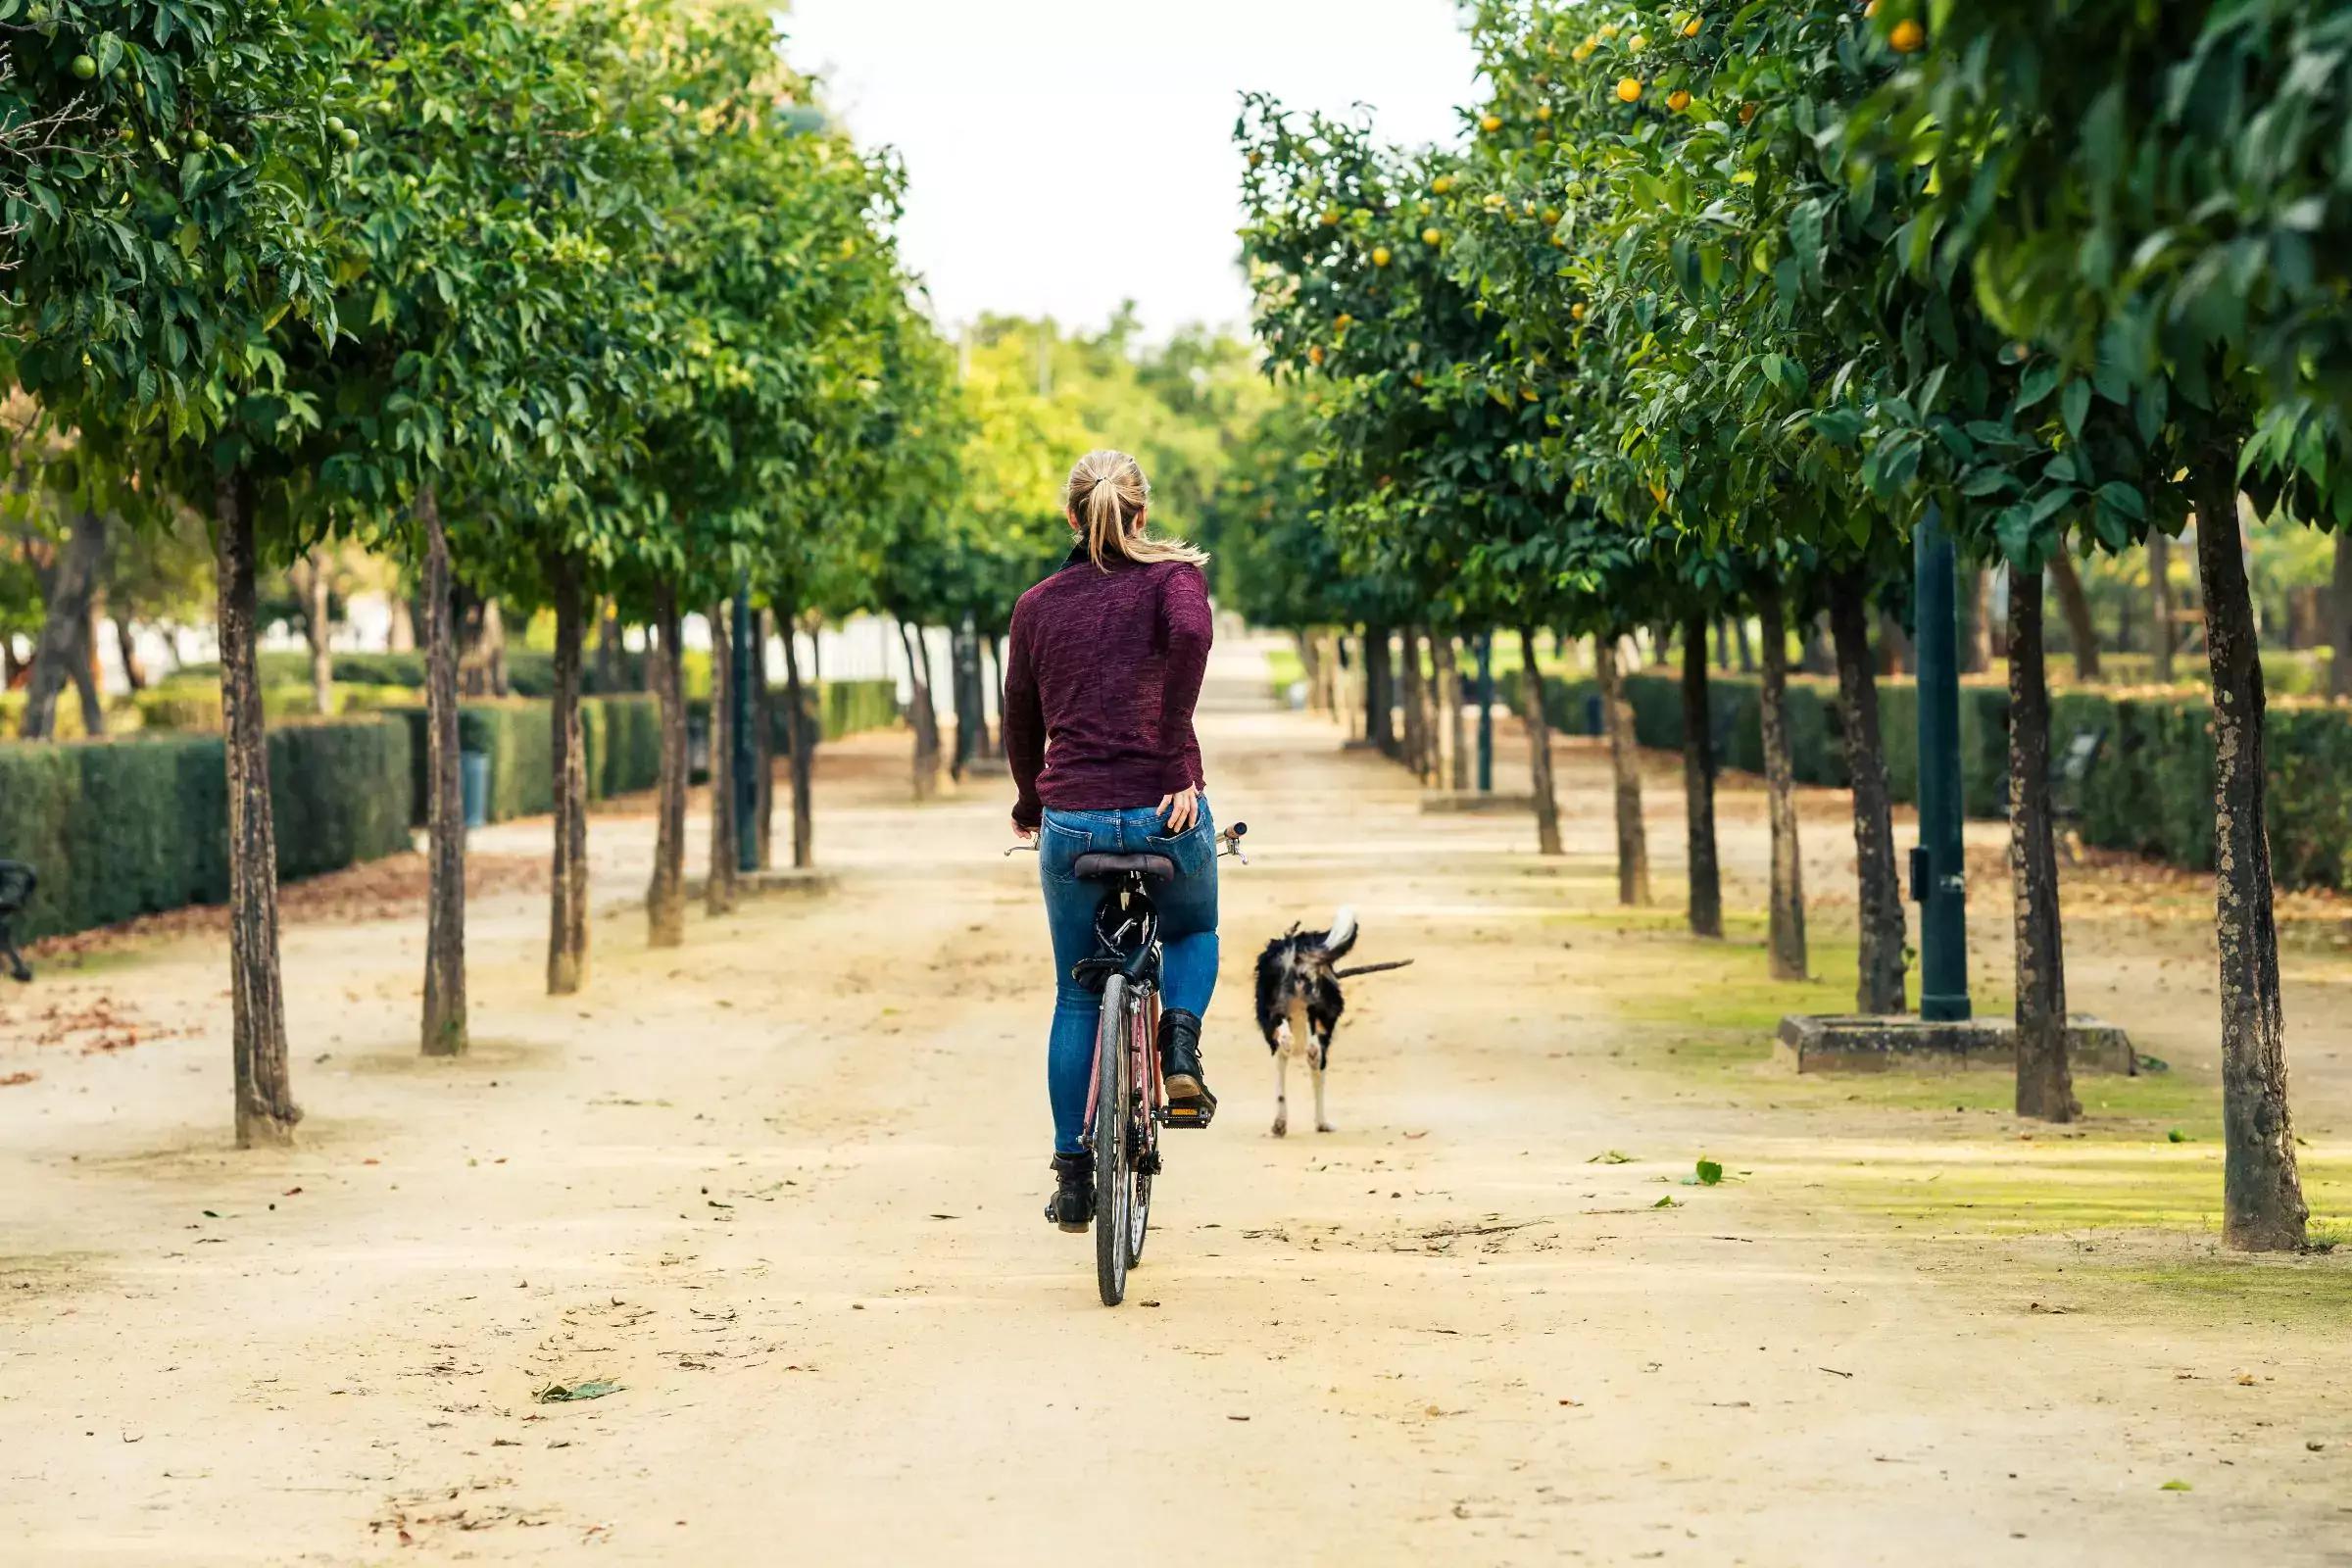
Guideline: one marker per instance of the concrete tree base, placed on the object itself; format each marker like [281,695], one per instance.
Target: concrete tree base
[1476,803]
[1856,1043]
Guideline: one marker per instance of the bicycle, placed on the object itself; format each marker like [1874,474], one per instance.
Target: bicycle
[1126,1101]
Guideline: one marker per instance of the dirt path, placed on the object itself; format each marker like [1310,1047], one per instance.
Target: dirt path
[783,1188]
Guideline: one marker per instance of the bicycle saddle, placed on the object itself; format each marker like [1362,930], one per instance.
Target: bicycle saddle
[1095,867]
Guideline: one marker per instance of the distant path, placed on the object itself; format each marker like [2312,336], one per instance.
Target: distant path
[783,1187]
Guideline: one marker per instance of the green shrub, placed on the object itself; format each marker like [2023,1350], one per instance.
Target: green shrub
[130,827]
[516,735]
[624,754]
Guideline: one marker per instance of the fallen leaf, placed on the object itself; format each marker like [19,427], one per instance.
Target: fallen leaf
[562,1393]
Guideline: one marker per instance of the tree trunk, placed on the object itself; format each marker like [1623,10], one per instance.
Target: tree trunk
[1787,937]
[665,662]
[1698,783]
[764,738]
[2080,630]
[1976,654]
[609,677]
[2045,1086]
[316,603]
[963,652]
[567,885]
[444,1031]
[2339,616]
[803,737]
[1310,670]
[1894,645]
[1450,700]
[266,1113]
[924,716]
[1625,763]
[1408,683]
[719,886]
[1380,717]
[494,648]
[1815,657]
[1538,746]
[1879,916]
[61,653]
[2262,1194]
[126,645]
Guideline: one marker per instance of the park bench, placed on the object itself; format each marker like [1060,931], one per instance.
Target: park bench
[17,882]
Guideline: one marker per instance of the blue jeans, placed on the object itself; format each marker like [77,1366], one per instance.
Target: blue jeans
[1188,934]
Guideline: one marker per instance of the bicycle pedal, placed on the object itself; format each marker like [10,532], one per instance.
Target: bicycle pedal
[1185,1117]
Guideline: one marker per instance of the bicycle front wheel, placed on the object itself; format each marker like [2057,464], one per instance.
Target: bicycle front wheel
[1112,1153]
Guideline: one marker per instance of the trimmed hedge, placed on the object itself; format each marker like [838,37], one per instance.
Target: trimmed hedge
[2150,792]
[130,827]
[623,737]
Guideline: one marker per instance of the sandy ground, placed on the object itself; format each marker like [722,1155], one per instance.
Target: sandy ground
[782,1187]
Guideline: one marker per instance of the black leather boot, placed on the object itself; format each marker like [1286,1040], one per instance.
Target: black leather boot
[1072,1206]
[1189,1103]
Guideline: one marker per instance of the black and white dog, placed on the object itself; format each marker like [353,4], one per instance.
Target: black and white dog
[1298,1004]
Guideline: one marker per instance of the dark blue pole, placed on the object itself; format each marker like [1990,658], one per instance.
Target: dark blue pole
[748,685]
[1486,712]
[1938,884]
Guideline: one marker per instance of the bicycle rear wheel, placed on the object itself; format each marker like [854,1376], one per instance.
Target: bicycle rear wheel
[1112,1153]
[1141,1160]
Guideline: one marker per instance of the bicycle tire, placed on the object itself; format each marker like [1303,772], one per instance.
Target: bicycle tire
[1111,1154]
[1139,1214]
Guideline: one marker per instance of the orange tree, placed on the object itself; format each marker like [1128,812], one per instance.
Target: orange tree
[1594,308]
[2154,198]
[155,242]
[1770,274]
[1422,427]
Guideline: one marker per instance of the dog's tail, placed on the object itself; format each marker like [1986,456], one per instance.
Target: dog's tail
[1370,968]
[1342,935]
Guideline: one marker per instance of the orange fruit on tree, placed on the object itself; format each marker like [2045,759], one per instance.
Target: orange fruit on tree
[1748,112]
[1576,311]
[1629,89]
[1677,100]
[1491,124]
[1690,29]
[1431,236]
[1380,256]
[1542,111]
[1869,7]
[1638,42]
[1552,215]
[1314,355]
[1907,36]
[1441,185]
[1342,321]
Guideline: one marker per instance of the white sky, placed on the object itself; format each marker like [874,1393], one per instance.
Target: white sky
[1064,155]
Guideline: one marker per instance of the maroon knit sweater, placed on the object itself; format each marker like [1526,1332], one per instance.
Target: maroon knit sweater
[1104,669]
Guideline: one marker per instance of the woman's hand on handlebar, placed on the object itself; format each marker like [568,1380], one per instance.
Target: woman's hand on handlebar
[1027,835]
[1181,810]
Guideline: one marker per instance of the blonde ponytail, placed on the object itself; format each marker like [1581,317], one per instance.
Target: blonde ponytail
[1106,499]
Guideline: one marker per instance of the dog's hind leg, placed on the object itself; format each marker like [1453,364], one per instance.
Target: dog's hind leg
[1282,1104]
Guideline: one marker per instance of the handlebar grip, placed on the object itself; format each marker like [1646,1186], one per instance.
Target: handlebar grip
[1237,830]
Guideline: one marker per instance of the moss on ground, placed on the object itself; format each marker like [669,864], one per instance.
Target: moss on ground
[1933,1150]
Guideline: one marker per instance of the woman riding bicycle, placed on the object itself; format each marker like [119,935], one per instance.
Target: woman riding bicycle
[1104,665]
